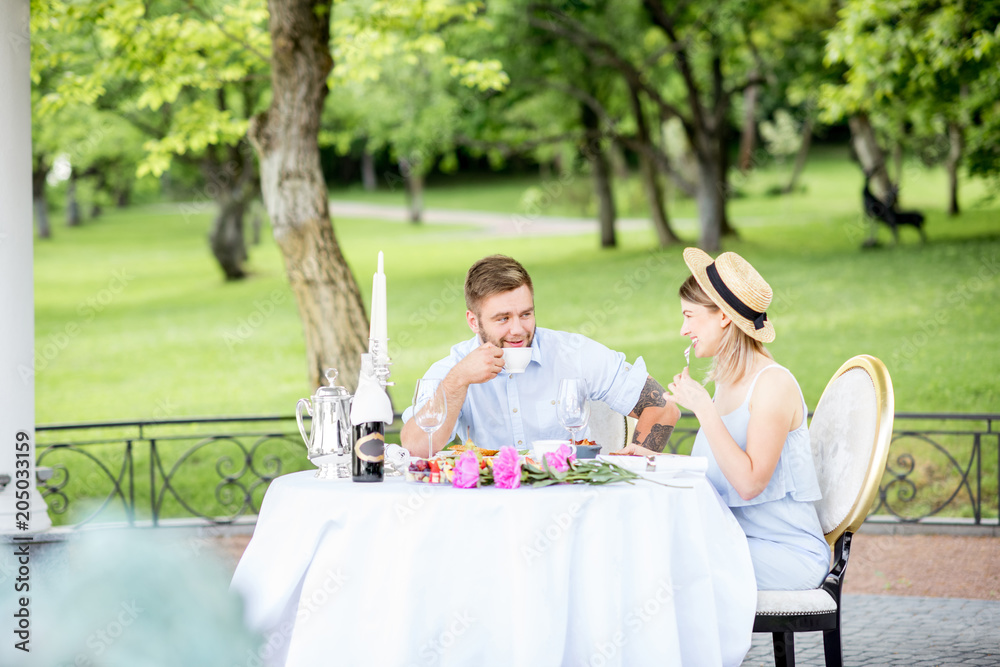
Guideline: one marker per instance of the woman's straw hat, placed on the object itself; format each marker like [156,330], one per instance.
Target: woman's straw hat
[736,288]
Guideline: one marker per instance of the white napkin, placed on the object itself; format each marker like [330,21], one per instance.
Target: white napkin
[664,463]
[679,463]
[397,457]
[370,403]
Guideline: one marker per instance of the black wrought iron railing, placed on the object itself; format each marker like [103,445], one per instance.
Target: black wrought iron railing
[942,467]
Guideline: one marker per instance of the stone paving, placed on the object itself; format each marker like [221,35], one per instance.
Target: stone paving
[888,630]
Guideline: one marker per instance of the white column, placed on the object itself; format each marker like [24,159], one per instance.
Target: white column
[17,308]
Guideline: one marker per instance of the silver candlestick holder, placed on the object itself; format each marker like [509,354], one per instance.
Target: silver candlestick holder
[380,361]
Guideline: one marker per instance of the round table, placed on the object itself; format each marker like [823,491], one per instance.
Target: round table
[402,573]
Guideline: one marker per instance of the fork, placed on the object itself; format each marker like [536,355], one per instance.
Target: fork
[687,355]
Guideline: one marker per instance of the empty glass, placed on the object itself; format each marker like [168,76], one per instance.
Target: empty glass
[432,414]
[573,405]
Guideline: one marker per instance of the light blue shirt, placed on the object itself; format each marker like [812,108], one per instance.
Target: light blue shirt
[517,409]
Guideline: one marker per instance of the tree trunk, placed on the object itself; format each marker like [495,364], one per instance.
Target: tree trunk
[594,152]
[72,205]
[657,208]
[800,158]
[226,237]
[749,138]
[605,198]
[870,155]
[286,138]
[545,170]
[721,142]
[257,221]
[711,202]
[368,179]
[897,163]
[955,149]
[229,176]
[648,173]
[619,165]
[39,173]
[42,218]
[414,189]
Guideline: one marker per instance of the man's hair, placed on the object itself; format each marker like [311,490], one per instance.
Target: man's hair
[491,275]
[735,355]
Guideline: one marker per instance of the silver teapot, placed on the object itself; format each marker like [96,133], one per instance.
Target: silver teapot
[331,436]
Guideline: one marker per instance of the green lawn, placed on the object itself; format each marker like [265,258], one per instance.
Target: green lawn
[133,320]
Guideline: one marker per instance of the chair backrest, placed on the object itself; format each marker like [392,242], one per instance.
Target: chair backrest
[850,434]
[607,427]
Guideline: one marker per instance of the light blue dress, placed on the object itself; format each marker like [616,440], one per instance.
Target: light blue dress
[787,546]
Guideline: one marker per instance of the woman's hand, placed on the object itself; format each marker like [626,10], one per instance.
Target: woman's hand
[688,393]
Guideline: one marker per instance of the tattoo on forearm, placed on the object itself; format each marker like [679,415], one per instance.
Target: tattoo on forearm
[651,396]
[657,439]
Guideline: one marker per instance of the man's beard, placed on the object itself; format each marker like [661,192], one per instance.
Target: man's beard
[528,338]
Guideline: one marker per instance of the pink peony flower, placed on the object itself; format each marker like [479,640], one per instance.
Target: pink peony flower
[507,469]
[560,459]
[466,471]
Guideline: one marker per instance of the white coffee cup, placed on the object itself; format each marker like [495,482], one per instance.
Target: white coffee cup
[515,359]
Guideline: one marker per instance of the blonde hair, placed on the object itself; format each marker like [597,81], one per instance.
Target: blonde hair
[736,350]
[491,275]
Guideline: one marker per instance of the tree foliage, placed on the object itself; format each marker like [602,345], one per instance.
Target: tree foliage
[924,71]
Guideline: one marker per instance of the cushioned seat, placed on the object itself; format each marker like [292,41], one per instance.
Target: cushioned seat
[849,434]
[777,603]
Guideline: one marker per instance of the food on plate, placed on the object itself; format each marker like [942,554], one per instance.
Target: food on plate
[433,471]
[469,447]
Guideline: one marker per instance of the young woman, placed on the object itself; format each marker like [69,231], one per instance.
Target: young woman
[754,431]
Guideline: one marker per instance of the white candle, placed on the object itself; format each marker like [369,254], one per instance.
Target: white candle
[379,326]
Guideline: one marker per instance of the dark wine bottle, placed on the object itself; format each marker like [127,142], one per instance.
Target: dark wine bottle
[368,456]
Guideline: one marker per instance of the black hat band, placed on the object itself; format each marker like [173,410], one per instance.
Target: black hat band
[734,302]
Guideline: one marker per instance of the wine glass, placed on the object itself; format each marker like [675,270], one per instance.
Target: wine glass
[573,405]
[432,414]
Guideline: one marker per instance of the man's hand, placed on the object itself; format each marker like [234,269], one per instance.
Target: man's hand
[481,365]
[656,417]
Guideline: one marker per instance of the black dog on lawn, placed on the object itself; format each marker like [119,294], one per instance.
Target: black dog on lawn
[886,212]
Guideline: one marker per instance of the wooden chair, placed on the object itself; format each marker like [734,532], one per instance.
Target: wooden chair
[850,434]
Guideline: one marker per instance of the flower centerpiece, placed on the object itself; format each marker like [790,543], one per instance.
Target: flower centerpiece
[508,470]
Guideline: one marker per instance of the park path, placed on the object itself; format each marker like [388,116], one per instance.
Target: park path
[488,223]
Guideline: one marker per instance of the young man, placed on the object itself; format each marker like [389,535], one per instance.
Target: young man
[497,408]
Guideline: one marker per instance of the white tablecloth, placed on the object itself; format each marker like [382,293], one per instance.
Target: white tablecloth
[400,573]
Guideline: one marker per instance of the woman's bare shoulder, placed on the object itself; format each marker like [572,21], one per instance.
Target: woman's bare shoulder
[775,383]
